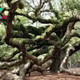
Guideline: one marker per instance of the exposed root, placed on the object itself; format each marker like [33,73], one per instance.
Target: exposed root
[62,69]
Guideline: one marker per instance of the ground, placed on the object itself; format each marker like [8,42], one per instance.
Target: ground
[53,77]
[50,76]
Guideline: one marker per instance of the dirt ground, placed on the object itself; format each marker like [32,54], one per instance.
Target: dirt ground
[53,76]
[50,76]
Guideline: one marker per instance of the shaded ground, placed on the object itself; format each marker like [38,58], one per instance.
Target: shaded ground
[53,76]
[50,76]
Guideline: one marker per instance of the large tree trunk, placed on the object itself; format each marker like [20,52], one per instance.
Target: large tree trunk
[55,67]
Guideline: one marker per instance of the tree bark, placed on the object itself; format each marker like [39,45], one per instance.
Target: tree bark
[55,67]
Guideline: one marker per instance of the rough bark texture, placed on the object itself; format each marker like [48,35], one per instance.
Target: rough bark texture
[55,60]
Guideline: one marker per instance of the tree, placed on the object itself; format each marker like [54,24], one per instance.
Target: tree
[39,48]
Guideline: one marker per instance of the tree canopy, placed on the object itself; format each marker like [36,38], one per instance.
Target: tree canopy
[37,35]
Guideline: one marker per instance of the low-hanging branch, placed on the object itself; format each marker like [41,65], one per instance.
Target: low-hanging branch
[7,65]
[70,51]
